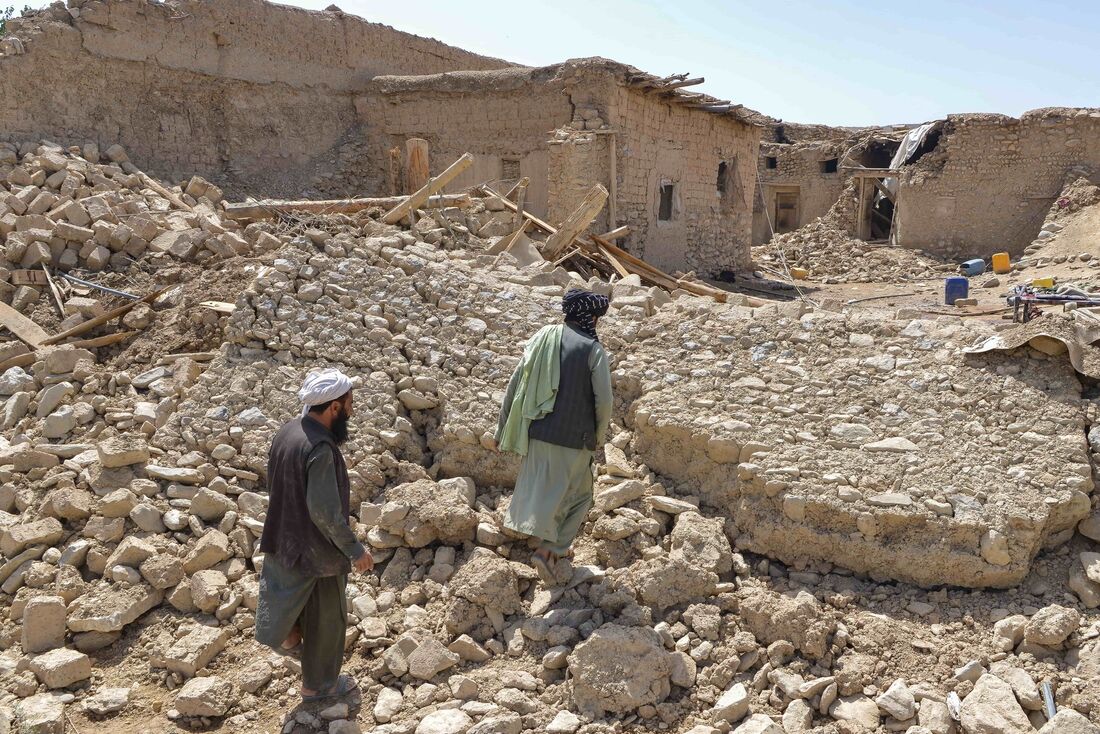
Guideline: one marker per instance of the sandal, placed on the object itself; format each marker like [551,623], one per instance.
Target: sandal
[344,685]
[542,566]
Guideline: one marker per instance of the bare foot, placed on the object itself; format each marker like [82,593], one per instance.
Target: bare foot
[292,639]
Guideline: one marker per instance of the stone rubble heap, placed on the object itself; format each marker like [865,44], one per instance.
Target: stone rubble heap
[826,248]
[773,479]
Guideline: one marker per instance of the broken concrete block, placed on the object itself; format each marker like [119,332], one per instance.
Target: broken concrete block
[40,714]
[62,667]
[44,624]
[210,696]
[15,538]
[122,451]
[211,549]
[162,571]
[206,589]
[109,608]
[191,653]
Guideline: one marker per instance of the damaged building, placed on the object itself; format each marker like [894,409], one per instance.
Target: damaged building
[200,93]
[966,186]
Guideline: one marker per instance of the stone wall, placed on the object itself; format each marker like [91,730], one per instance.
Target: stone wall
[237,92]
[991,180]
[662,144]
[798,168]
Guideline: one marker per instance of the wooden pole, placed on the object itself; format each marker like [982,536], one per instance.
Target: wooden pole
[486,191]
[271,209]
[613,195]
[576,222]
[521,197]
[402,210]
[416,164]
[100,320]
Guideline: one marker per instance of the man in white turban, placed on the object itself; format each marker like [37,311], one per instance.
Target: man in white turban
[308,544]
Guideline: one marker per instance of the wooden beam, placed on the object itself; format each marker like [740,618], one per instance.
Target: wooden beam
[102,341]
[155,186]
[616,233]
[676,85]
[417,171]
[521,198]
[272,209]
[547,228]
[18,324]
[652,81]
[882,189]
[576,222]
[613,182]
[402,210]
[623,272]
[100,320]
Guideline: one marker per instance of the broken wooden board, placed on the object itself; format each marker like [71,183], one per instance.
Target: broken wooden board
[219,306]
[577,222]
[271,209]
[402,210]
[29,277]
[102,341]
[100,320]
[18,324]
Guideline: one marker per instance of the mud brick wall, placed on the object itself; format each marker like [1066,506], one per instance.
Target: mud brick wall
[796,165]
[988,185]
[242,91]
[662,143]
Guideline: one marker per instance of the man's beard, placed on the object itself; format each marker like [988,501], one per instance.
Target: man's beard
[340,429]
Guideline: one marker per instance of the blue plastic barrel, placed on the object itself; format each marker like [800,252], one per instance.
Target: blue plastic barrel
[973,267]
[954,289]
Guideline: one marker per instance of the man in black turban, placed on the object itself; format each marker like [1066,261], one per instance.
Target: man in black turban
[559,401]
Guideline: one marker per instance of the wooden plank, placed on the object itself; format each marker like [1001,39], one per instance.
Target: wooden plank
[576,222]
[54,292]
[173,198]
[100,320]
[272,209]
[521,199]
[882,189]
[613,182]
[28,277]
[417,171]
[102,341]
[19,360]
[402,210]
[18,324]
[219,306]
[547,228]
[679,84]
[616,233]
[623,272]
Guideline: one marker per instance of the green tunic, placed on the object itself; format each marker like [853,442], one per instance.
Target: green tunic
[554,489]
[317,605]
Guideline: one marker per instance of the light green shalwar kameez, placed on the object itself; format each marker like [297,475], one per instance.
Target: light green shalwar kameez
[554,489]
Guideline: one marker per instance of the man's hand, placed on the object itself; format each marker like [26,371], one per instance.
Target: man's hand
[364,562]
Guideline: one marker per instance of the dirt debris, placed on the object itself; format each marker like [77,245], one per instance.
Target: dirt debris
[759,559]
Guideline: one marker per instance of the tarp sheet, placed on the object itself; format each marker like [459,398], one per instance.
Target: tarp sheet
[909,144]
[1074,337]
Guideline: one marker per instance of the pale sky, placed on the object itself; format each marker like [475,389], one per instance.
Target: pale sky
[839,62]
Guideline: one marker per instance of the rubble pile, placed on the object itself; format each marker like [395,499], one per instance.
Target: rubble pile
[778,487]
[826,248]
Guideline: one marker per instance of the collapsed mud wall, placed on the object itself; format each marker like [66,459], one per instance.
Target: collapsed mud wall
[800,170]
[237,92]
[991,180]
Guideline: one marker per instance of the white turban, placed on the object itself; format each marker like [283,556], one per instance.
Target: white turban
[322,386]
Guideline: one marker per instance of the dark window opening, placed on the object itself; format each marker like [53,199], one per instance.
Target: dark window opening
[664,212]
[829,166]
[509,169]
[723,174]
[771,162]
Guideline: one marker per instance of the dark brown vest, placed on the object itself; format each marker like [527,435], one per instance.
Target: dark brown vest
[289,533]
